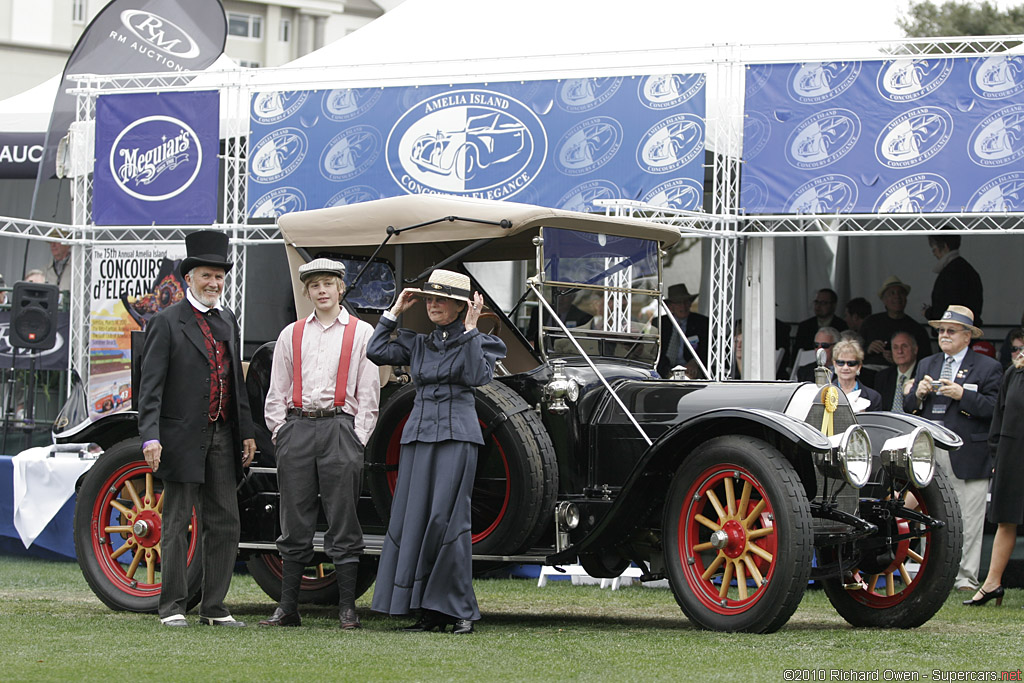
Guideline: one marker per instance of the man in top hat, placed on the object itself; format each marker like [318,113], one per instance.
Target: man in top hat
[879,328]
[958,388]
[694,326]
[321,408]
[196,430]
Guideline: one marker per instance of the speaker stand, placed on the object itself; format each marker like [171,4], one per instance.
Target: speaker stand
[9,404]
[30,402]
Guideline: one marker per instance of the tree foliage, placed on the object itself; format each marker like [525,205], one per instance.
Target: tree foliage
[927,19]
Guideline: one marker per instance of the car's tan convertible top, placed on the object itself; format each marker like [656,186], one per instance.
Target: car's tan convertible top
[365,224]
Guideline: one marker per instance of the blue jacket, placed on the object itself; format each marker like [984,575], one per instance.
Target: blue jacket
[445,366]
[969,417]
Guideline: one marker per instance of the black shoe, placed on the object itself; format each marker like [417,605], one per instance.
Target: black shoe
[986,596]
[349,619]
[221,621]
[282,618]
[428,621]
[462,626]
[177,620]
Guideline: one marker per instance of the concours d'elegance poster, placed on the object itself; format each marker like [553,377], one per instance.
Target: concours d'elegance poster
[129,286]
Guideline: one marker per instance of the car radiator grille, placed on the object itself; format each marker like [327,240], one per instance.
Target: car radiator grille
[848,498]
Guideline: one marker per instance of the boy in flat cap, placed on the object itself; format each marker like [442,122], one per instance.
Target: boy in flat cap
[321,408]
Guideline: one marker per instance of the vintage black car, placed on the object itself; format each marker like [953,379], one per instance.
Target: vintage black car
[739,493]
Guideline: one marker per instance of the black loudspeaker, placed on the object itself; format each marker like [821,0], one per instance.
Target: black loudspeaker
[33,316]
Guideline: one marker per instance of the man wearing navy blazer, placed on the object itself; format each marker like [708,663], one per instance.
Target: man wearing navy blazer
[196,430]
[958,388]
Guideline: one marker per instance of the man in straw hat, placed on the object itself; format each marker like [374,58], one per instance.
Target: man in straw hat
[958,388]
[321,408]
[196,429]
[879,328]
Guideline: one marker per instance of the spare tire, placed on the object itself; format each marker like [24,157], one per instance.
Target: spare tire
[516,474]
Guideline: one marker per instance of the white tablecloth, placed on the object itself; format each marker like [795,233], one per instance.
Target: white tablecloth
[42,484]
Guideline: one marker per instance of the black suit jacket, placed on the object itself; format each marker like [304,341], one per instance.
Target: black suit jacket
[969,417]
[174,392]
[957,283]
[885,384]
[696,325]
[806,330]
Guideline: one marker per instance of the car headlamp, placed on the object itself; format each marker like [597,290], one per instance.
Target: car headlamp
[910,456]
[850,457]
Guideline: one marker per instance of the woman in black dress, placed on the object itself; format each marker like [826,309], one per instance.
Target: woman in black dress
[1006,437]
[426,561]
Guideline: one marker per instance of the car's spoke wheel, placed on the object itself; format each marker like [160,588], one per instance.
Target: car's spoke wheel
[118,527]
[319,584]
[903,584]
[738,536]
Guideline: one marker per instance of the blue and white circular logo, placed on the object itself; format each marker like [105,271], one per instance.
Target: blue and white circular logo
[999,139]
[757,130]
[1003,193]
[665,91]
[756,77]
[753,194]
[832,193]
[350,153]
[679,194]
[588,145]
[582,198]
[671,143]
[823,138]
[277,105]
[904,80]
[996,78]
[354,194]
[583,94]
[914,137]
[815,82]
[475,143]
[155,158]
[278,155]
[919,193]
[348,103]
[278,202]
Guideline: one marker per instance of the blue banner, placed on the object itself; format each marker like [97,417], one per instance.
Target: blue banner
[156,159]
[896,136]
[563,143]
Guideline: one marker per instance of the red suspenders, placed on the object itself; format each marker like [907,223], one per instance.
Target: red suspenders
[343,362]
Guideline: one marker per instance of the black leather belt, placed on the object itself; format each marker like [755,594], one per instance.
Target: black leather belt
[321,412]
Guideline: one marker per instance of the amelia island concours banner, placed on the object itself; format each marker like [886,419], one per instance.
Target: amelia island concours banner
[156,158]
[560,143]
[129,286]
[909,135]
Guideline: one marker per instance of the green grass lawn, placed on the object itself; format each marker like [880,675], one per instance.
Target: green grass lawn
[53,628]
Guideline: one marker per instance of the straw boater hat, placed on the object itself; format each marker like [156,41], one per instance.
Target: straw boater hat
[205,248]
[447,284]
[319,266]
[893,281]
[960,315]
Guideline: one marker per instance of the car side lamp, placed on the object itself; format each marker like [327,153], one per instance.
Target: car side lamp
[822,375]
[559,388]
[910,457]
[849,458]
[567,518]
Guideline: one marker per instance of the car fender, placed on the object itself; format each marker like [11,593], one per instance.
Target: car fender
[884,425]
[105,431]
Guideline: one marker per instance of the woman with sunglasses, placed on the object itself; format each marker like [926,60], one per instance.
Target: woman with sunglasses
[848,358]
[1006,508]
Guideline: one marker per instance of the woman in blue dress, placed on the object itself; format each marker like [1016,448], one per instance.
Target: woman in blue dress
[426,561]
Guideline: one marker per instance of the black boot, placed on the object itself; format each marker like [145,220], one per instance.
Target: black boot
[287,612]
[347,595]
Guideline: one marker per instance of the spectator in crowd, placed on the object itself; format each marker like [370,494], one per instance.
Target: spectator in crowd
[1006,509]
[694,326]
[826,338]
[857,311]
[848,357]
[878,329]
[1006,354]
[36,276]
[958,388]
[737,347]
[3,295]
[824,304]
[59,271]
[957,281]
[892,381]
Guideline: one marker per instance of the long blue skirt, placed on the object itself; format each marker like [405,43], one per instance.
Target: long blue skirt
[426,562]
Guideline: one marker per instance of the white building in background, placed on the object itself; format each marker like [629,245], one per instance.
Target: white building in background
[36,36]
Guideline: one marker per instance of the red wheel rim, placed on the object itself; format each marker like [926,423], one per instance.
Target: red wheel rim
[321,576]
[727,539]
[126,530]
[898,580]
[492,488]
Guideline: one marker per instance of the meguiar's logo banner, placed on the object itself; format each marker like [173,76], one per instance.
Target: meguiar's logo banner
[564,143]
[156,159]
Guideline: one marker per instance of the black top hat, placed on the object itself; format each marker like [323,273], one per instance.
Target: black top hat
[205,248]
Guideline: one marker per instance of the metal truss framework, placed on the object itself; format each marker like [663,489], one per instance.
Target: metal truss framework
[725,224]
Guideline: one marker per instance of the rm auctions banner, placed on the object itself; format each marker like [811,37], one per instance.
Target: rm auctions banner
[156,158]
[897,136]
[129,286]
[555,143]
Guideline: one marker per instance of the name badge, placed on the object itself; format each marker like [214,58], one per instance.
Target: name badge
[939,409]
[971,387]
